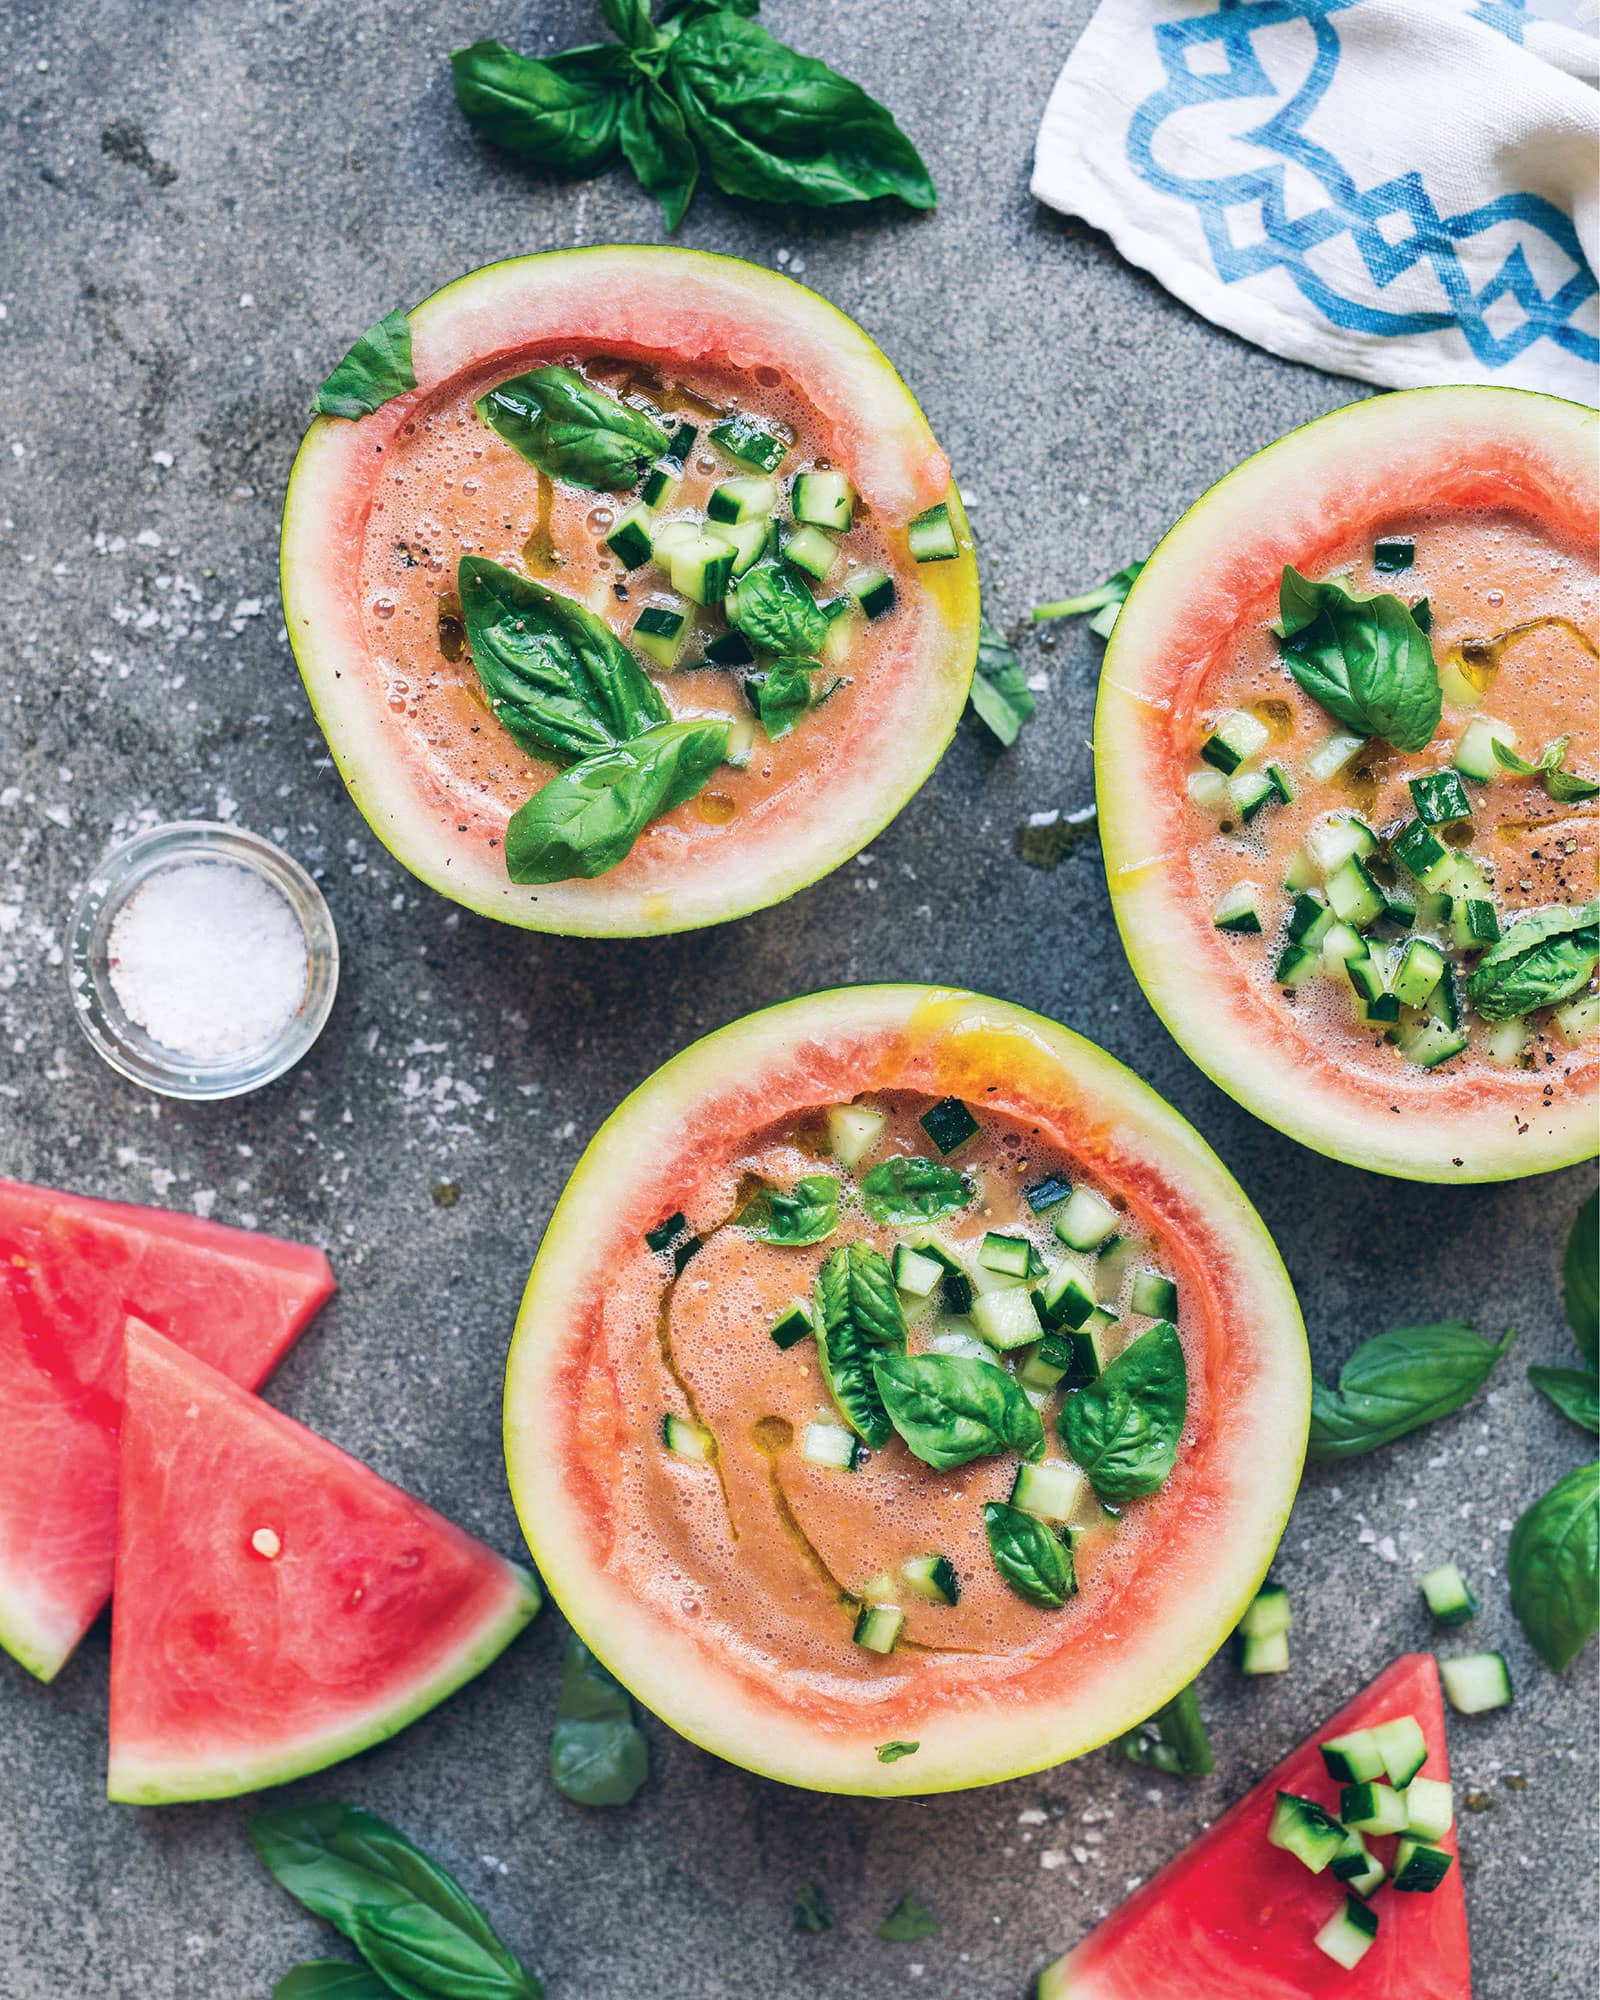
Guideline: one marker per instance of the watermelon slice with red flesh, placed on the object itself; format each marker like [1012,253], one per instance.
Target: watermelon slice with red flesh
[71,1271]
[278,1606]
[1234,1916]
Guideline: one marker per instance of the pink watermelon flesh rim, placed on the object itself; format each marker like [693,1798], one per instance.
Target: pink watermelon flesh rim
[1299,500]
[674,305]
[1233,1912]
[72,1268]
[246,1655]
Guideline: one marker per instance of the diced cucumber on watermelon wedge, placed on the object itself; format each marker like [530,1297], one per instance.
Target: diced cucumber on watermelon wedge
[72,1269]
[278,1606]
[1234,1915]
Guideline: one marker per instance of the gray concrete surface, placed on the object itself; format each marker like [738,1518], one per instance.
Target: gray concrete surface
[204,203]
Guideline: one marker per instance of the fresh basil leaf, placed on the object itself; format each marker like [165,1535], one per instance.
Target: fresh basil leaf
[783,695]
[572,430]
[563,113]
[912,1189]
[1580,1278]
[1105,603]
[1035,1562]
[1552,1561]
[1000,696]
[557,677]
[586,819]
[1173,1740]
[1123,1428]
[777,126]
[950,1409]
[629,21]
[424,1957]
[811,1912]
[685,11]
[659,149]
[1574,1391]
[598,1754]
[336,1859]
[809,1213]
[891,1753]
[332,1979]
[858,1322]
[1365,660]
[375,371]
[1513,760]
[907,1921]
[1567,788]
[1398,1382]
[775,611]
[1540,961]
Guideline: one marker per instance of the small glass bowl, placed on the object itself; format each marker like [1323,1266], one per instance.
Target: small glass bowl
[131,1049]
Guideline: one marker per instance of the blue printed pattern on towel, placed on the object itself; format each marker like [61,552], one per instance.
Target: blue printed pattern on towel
[1394,226]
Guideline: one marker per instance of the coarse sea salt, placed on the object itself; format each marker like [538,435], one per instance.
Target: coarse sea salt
[209,959]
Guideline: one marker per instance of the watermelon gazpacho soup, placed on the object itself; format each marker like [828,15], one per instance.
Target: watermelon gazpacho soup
[1351,718]
[904,1397]
[649,603]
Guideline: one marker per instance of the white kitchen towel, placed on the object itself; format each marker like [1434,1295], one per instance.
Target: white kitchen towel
[1407,191]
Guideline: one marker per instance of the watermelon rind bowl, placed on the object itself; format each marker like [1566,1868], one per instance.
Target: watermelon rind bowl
[1298,501]
[671,305]
[692,1115]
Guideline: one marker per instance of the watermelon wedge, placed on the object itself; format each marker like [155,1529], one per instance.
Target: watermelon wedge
[1233,1915]
[278,1605]
[71,1271]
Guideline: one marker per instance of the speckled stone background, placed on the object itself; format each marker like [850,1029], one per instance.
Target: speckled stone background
[204,203]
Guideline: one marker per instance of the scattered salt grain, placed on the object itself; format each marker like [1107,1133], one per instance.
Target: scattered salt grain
[209,959]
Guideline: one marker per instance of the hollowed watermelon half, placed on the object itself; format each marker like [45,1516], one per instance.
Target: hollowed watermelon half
[71,1271]
[434,783]
[278,1606]
[1234,1915]
[720,1586]
[1508,465]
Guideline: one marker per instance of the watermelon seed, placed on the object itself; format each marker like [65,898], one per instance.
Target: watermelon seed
[266,1543]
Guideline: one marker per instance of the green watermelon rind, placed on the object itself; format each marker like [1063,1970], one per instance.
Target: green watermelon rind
[898,446]
[664,1669]
[1170,942]
[139,1781]
[29,1639]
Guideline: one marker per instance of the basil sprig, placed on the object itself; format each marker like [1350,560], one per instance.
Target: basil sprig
[702,83]
[1000,698]
[1575,1392]
[1540,961]
[1036,1563]
[1565,787]
[332,1979]
[1554,1564]
[1105,602]
[912,1189]
[1173,1740]
[586,819]
[375,371]
[574,431]
[410,1919]
[557,677]
[598,1754]
[783,695]
[1580,1279]
[1123,1428]
[808,1213]
[1398,1382]
[951,1408]
[1365,660]
[858,1323]
[774,609]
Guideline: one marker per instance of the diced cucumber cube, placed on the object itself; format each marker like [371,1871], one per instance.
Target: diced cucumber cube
[1393,552]
[1268,1613]
[1476,1682]
[1064,1299]
[1440,797]
[792,1324]
[853,1131]
[1340,946]
[1372,1807]
[1264,1656]
[1282,783]
[1449,1596]
[1302,873]
[1576,1020]
[915,1273]
[1336,838]
[1306,1830]
[1006,1318]
[1353,1759]
[751,443]
[1041,1375]
[831,1445]
[1420,969]
[1420,853]
[932,535]
[1508,1043]
[1403,1748]
[823,500]
[1048,1193]
[1248,792]
[729,649]
[1208,789]
[1010,1256]
[1366,977]
[933,1577]
[878,1625]
[1296,966]
[629,539]
[949,1124]
[1357,1867]
[1349,1934]
[1430,1042]
[701,566]
[1475,756]
[1154,1296]
[1353,895]
[1310,919]
[685,1439]
[1430,1808]
[872,589]
[1235,738]
[811,550]
[1052,1490]
[1474,923]
[1086,1220]
[669,535]
[1419,1867]
[742,500]
[1330,758]
[659,634]
[660,484]
[749,540]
